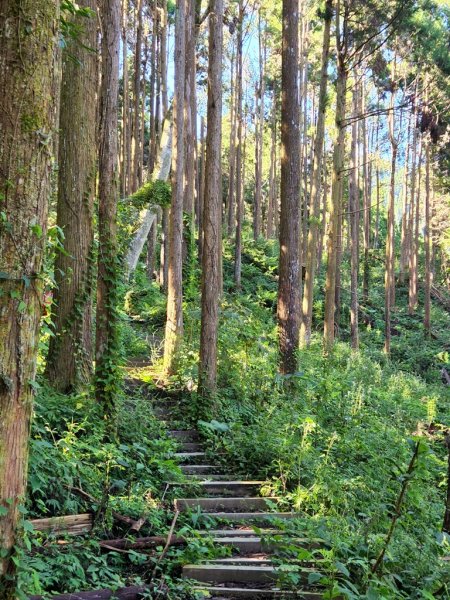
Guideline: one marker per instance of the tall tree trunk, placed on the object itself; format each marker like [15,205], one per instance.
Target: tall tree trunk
[69,361]
[212,214]
[239,162]
[272,173]
[154,73]
[404,248]
[174,322]
[427,242]
[232,150]
[135,140]
[367,190]
[353,200]
[108,195]
[29,34]
[190,158]
[389,281]
[312,244]
[164,254]
[151,247]
[201,189]
[163,59]
[126,134]
[335,209]
[259,138]
[288,308]
[415,210]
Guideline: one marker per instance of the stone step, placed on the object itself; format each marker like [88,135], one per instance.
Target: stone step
[259,559]
[188,456]
[207,477]
[199,469]
[211,573]
[240,532]
[244,545]
[218,504]
[242,574]
[225,487]
[219,593]
[190,447]
[256,518]
[184,435]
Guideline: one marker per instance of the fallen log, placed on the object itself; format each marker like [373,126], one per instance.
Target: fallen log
[142,543]
[135,592]
[70,524]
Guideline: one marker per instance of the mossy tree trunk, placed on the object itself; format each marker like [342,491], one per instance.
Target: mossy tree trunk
[28,122]
[335,221]
[69,362]
[108,195]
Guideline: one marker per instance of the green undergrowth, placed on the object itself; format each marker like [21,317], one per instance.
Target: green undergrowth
[335,440]
[68,454]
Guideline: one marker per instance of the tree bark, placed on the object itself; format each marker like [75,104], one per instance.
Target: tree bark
[232,151]
[389,281]
[312,243]
[427,242]
[108,195]
[174,322]
[69,361]
[212,213]
[260,137]
[136,138]
[353,199]
[239,163]
[270,230]
[334,229]
[288,308]
[29,34]
[126,132]
[415,211]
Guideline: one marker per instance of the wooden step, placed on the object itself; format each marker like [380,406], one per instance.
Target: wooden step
[207,477]
[221,573]
[225,487]
[199,469]
[218,593]
[190,447]
[244,545]
[240,532]
[184,435]
[188,456]
[218,504]
[241,574]
[249,517]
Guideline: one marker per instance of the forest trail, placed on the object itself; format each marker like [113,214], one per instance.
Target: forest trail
[237,516]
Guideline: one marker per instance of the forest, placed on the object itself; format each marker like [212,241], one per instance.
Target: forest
[224,299]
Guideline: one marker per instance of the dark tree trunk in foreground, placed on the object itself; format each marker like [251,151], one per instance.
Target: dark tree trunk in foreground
[108,195]
[288,308]
[69,362]
[28,105]
[212,213]
[174,323]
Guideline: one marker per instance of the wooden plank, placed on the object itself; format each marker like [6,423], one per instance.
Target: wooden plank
[229,573]
[218,504]
[72,524]
[250,517]
[236,592]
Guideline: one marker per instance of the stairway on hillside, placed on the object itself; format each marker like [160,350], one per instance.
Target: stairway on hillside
[236,507]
